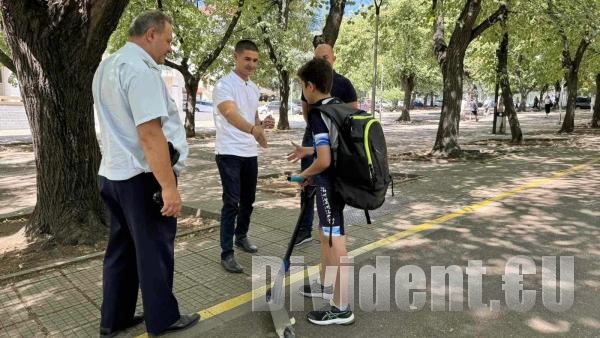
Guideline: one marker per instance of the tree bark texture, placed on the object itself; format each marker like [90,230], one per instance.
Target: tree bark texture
[282,71]
[596,116]
[284,85]
[509,106]
[446,143]
[451,60]
[191,87]
[56,48]
[332,24]
[284,93]
[572,76]
[191,80]
[408,85]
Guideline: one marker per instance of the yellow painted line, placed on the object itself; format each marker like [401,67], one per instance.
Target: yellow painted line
[247,297]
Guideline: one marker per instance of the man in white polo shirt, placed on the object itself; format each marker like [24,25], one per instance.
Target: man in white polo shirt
[238,130]
[143,149]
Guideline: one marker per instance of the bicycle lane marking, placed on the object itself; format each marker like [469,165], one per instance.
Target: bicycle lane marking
[247,297]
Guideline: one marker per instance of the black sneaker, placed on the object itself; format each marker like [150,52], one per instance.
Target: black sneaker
[331,316]
[303,237]
[316,290]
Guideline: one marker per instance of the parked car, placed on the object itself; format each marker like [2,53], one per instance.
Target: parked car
[204,106]
[438,103]
[583,102]
[269,109]
[272,108]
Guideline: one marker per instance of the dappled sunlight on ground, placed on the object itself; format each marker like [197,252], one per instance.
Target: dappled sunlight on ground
[14,242]
[543,326]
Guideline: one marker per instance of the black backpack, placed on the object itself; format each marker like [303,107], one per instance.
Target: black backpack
[360,159]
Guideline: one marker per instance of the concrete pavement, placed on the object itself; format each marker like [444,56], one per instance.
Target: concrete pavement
[537,200]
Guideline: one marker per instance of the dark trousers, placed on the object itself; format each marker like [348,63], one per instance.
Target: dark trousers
[238,177]
[309,212]
[139,255]
[547,108]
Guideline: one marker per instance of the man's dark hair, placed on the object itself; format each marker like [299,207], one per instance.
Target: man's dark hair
[245,44]
[319,73]
[147,20]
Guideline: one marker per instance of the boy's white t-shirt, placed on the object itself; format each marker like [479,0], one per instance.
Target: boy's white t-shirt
[245,94]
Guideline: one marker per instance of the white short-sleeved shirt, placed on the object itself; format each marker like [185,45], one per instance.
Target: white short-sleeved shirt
[128,91]
[245,94]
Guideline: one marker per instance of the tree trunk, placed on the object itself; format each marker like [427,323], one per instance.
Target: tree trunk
[191,88]
[56,49]
[431,98]
[446,142]
[451,60]
[542,92]
[572,66]
[332,24]
[509,107]
[496,90]
[284,92]
[557,90]
[568,124]
[523,101]
[192,80]
[408,84]
[596,116]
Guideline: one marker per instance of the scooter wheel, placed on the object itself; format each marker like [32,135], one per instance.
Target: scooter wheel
[289,332]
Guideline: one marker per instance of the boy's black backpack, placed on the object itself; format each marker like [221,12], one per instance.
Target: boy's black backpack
[360,159]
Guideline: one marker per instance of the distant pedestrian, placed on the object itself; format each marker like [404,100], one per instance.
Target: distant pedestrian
[501,114]
[473,108]
[487,105]
[547,104]
[536,103]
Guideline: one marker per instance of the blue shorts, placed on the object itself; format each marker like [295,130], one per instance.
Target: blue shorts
[330,208]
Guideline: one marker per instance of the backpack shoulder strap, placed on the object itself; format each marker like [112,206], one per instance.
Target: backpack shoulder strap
[338,112]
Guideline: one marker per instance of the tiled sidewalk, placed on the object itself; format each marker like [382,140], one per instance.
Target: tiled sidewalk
[64,302]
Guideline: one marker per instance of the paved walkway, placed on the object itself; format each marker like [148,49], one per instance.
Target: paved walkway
[537,200]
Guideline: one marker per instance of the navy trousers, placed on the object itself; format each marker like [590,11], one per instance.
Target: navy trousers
[139,255]
[238,177]
[309,213]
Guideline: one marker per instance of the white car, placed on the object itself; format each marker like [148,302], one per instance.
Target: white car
[204,106]
[272,108]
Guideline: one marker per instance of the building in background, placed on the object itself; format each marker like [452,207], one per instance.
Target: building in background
[7,89]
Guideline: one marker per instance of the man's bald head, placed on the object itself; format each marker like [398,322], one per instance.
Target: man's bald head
[325,52]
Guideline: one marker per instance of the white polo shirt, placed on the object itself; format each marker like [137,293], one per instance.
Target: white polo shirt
[128,91]
[245,94]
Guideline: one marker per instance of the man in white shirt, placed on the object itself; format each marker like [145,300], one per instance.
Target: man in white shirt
[144,148]
[235,99]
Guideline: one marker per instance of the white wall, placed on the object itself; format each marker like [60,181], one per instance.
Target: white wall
[6,89]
